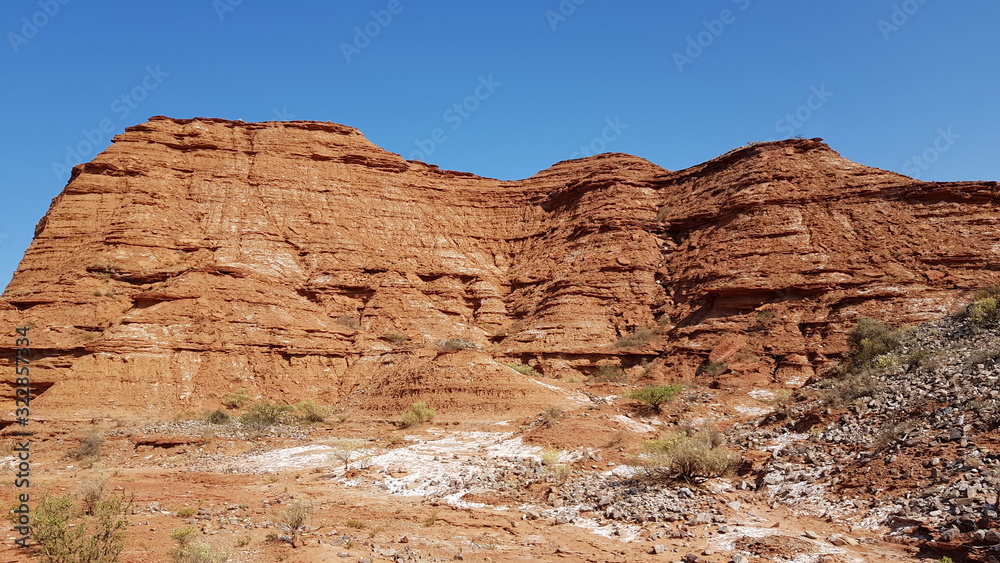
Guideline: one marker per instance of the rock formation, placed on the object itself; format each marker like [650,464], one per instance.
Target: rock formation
[298,260]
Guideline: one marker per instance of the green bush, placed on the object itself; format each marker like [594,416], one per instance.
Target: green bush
[656,395]
[261,416]
[66,534]
[418,413]
[639,337]
[311,411]
[870,339]
[690,455]
[983,311]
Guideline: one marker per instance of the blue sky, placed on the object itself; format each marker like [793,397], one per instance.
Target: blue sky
[505,89]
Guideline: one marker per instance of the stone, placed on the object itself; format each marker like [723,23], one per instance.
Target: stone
[659,549]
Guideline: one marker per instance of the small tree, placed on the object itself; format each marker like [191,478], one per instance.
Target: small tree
[656,395]
[296,516]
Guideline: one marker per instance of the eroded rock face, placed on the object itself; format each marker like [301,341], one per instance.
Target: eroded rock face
[299,260]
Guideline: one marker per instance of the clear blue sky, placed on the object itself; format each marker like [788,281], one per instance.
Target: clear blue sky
[677,83]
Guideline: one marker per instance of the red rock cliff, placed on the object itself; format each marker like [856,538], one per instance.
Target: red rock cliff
[298,260]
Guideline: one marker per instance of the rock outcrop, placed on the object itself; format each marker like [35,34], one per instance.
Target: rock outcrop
[298,260]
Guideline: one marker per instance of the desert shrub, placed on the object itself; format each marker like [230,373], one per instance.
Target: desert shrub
[344,450]
[656,395]
[310,411]
[418,413]
[236,400]
[712,369]
[66,534]
[870,339]
[218,417]
[296,515]
[92,492]
[550,464]
[639,337]
[455,344]
[189,552]
[524,369]
[394,338]
[695,454]
[781,398]
[356,524]
[918,357]
[261,416]
[609,374]
[847,386]
[89,447]
[550,417]
[983,311]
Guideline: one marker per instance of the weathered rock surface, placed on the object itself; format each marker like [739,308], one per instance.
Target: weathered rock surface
[299,260]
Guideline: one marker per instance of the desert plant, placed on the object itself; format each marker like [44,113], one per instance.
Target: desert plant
[656,395]
[189,552]
[418,413]
[983,311]
[89,446]
[608,374]
[310,411]
[524,369]
[639,337]
[236,400]
[65,534]
[694,454]
[218,417]
[550,417]
[846,386]
[356,524]
[455,344]
[261,416]
[91,493]
[345,450]
[870,339]
[296,516]
[712,369]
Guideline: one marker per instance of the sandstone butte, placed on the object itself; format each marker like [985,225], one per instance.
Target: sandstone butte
[297,260]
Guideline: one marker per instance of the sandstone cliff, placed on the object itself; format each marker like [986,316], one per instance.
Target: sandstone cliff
[298,260]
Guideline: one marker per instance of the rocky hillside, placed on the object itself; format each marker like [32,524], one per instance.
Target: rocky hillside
[298,260]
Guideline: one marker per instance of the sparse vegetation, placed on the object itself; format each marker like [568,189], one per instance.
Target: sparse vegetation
[639,337]
[550,417]
[345,450]
[608,374]
[712,369]
[261,416]
[92,492]
[524,369]
[696,453]
[310,411]
[870,339]
[455,344]
[847,386]
[356,524]
[218,417]
[418,413]
[236,400]
[189,552]
[296,515]
[560,472]
[656,395]
[983,311]
[89,447]
[66,533]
